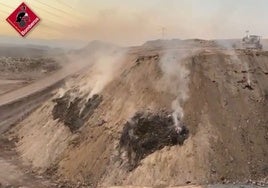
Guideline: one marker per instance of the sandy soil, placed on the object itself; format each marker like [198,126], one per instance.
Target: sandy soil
[14,174]
[18,72]
[225,111]
[9,85]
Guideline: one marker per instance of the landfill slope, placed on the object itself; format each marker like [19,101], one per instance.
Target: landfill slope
[219,95]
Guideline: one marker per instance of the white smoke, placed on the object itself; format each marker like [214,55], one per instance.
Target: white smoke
[105,69]
[100,64]
[175,80]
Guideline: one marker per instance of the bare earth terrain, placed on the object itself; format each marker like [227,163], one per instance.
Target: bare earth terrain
[166,114]
[18,72]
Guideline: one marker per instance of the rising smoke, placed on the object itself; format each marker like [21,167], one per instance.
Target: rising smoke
[100,63]
[106,67]
[176,80]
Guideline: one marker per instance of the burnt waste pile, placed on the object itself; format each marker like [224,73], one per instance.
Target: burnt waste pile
[148,132]
[74,111]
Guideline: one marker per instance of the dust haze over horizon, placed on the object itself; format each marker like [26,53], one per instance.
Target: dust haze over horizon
[134,22]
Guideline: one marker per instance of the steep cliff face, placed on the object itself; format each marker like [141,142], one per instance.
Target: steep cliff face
[202,118]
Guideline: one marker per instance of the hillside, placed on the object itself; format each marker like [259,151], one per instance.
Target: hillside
[151,116]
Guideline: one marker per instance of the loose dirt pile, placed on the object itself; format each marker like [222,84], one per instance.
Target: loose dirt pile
[221,99]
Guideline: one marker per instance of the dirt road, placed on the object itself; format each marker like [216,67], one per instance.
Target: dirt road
[41,84]
[11,85]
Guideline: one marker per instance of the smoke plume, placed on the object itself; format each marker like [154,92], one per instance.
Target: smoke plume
[175,80]
[100,64]
[105,69]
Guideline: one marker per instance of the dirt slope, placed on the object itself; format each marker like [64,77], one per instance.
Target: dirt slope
[221,97]
[14,174]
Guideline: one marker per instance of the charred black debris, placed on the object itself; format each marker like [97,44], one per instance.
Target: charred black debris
[147,132]
[76,112]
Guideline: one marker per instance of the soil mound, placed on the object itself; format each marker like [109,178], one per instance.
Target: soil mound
[224,141]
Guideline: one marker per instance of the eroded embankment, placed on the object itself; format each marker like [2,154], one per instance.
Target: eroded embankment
[219,96]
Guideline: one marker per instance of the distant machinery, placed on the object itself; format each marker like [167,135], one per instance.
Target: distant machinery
[251,42]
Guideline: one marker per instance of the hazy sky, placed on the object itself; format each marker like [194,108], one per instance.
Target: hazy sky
[135,21]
